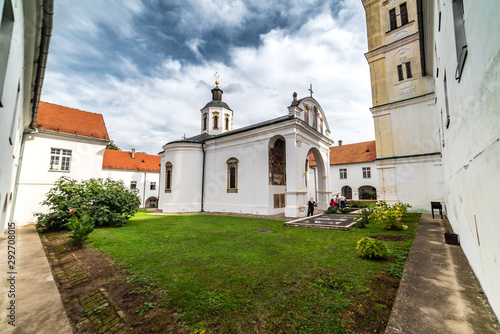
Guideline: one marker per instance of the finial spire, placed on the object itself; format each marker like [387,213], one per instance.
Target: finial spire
[216,75]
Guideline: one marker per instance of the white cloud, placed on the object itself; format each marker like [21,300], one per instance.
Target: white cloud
[146,111]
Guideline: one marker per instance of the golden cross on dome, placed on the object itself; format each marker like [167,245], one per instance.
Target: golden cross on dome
[216,75]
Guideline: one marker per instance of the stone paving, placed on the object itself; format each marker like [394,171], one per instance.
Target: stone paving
[100,314]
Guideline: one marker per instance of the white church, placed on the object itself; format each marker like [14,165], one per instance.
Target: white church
[258,169]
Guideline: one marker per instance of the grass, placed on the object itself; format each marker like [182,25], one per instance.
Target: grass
[223,277]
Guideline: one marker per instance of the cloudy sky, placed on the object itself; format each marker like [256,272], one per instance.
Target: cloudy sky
[148,65]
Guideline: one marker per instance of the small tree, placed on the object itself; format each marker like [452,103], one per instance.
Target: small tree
[112,146]
[109,202]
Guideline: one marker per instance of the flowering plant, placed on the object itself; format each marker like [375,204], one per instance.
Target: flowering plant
[390,217]
[80,225]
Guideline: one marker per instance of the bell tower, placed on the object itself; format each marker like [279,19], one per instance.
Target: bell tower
[216,116]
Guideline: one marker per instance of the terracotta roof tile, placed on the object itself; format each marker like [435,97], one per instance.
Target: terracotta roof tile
[351,153]
[62,119]
[123,160]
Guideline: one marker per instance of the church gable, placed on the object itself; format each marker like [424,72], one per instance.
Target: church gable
[309,110]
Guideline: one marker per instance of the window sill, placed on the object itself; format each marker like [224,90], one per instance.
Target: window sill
[398,29]
[59,171]
[232,191]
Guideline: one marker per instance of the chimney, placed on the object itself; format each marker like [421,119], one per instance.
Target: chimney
[133,153]
[340,142]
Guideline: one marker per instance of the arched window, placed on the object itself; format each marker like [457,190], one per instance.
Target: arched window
[306,115]
[205,122]
[216,122]
[277,163]
[232,175]
[315,118]
[168,177]
[227,123]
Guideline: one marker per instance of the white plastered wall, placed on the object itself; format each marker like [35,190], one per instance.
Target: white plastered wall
[143,179]
[37,179]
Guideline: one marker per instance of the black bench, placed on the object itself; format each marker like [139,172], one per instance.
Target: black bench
[437,206]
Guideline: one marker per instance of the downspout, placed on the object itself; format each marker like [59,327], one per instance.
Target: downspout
[203,177]
[420,20]
[144,193]
[47,25]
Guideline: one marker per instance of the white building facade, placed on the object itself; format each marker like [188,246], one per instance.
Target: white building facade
[67,142]
[462,55]
[353,171]
[138,171]
[25,30]
[258,169]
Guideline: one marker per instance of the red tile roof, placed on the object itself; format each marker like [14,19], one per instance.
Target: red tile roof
[123,160]
[62,119]
[351,153]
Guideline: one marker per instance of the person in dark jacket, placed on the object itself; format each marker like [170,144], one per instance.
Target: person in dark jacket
[310,207]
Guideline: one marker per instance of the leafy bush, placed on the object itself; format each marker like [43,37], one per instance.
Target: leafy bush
[363,219]
[108,202]
[372,249]
[390,217]
[80,225]
[336,209]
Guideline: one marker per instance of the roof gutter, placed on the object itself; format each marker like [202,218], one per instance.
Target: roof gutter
[47,25]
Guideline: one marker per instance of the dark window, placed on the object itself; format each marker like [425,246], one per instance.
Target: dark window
[400,73]
[168,177]
[232,177]
[204,122]
[133,185]
[216,122]
[404,14]
[152,186]
[227,123]
[392,18]
[408,70]
[6,36]
[460,40]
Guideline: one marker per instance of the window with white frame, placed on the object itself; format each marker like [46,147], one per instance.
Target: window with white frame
[367,173]
[133,185]
[152,186]
[343,173]
[60,159]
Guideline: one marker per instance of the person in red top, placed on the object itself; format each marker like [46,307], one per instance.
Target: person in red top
[332,203]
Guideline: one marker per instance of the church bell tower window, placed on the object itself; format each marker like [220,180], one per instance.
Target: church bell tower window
[205,122]
[227,122]
[216,121]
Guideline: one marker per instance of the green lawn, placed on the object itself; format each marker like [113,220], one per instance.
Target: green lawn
[223,277]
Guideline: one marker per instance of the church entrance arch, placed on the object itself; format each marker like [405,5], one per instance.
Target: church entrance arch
[316,178]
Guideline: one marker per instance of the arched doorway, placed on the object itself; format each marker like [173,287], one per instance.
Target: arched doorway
[347,192]
[367,192]
[151,202]
[315,178]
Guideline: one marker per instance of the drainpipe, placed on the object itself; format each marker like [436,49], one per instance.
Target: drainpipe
[47,24]
[144,194]
[203,177]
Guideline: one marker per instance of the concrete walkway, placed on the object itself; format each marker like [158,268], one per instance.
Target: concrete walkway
[439,293]
[38,305]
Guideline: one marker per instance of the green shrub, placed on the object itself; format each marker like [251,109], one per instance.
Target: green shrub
[363,219]
[80,226]
[336,209]
[372,249]
[108,202]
